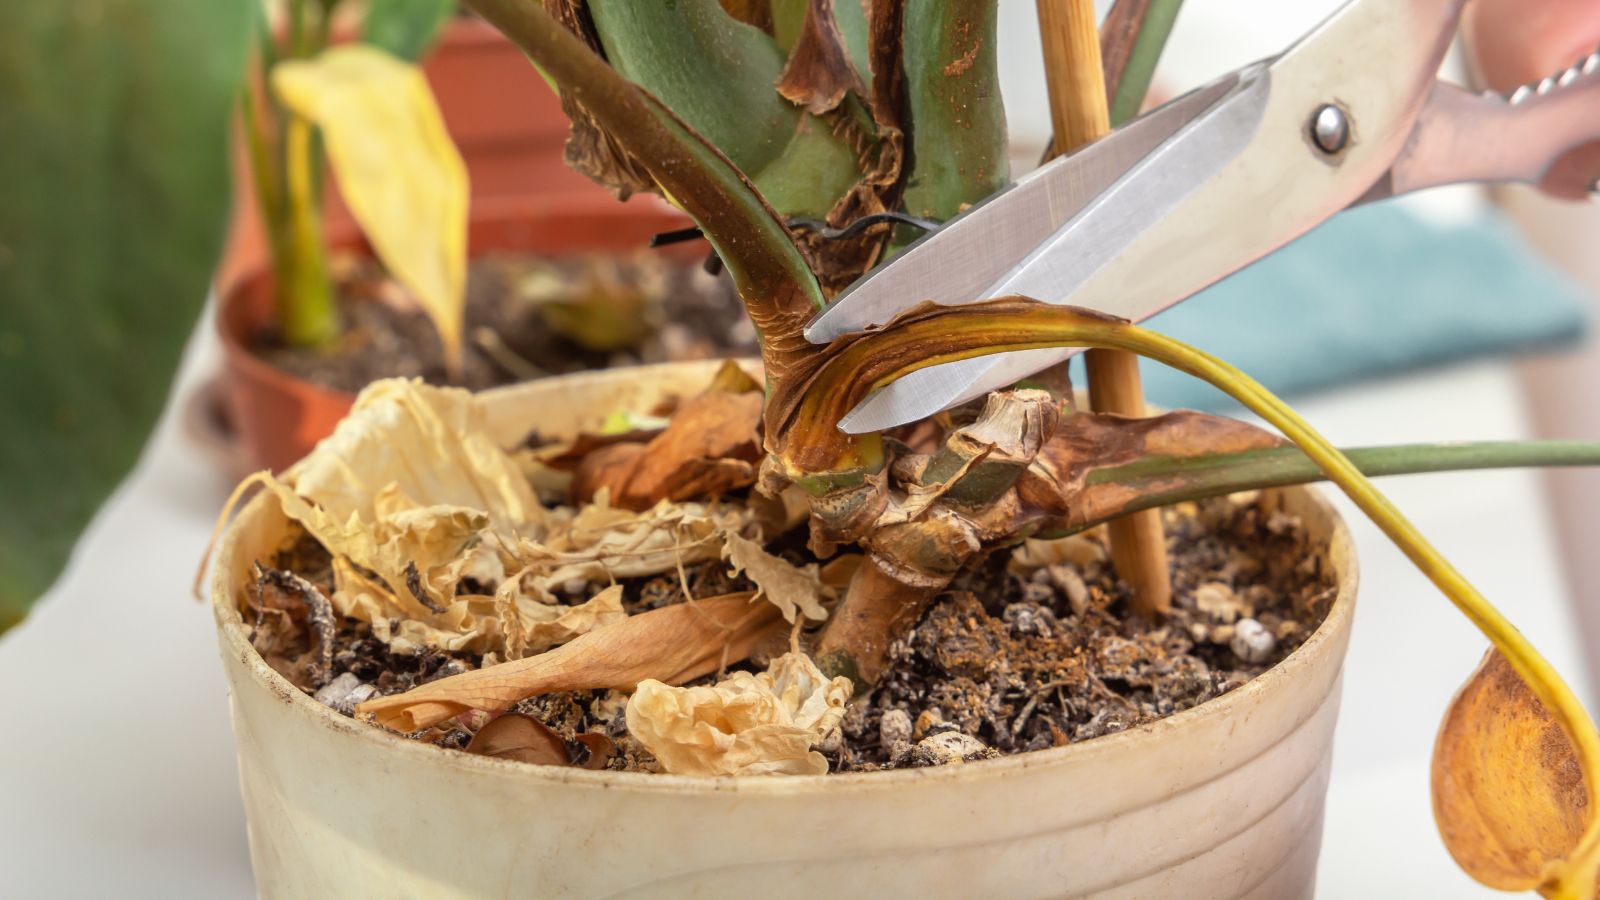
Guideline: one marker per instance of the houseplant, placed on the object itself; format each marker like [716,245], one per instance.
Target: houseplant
[302,331]
[413,562]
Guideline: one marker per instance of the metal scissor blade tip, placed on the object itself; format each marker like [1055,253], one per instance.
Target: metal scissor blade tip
[977,251]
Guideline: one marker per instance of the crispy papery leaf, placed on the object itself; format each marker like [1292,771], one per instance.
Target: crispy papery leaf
[114,122]
[771,274]
[796,590]
[709,449]
[819,71]
[1508,794]
[672,644]
[748,724]
[590,148]
[526,739]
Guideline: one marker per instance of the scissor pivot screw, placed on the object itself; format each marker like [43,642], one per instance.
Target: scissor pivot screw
[1330,128]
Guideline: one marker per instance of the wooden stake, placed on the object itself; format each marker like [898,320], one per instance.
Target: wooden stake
[1079,114]
[1138,543]
[1079,109]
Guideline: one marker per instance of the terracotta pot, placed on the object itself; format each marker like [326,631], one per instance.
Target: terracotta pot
[278,417]
[505,120]
[1223,800]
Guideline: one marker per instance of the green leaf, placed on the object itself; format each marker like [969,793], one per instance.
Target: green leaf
[958,125]
[852,18]
[405,28]
[114,169]
[718,75]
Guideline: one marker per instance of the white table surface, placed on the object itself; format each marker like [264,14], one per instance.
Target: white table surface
[118,775]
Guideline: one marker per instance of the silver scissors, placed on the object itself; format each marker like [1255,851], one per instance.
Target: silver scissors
[1190,193]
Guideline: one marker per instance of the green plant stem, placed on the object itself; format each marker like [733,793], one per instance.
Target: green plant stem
[291,197]
[1134,81]
[1197,478]
[306,314]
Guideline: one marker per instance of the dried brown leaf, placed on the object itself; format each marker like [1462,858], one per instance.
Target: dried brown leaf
[602,542]
[731,378]
[792,589]
[522,738]
[747,724]
[880,155]
[1508,794]
[672,644]
[407,487]
[600,747]
[1080,550]
[1058,480]
[535,624]
[709,449]
[590,148]
[818,73]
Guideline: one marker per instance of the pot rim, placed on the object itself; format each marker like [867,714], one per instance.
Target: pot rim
[347,236]
[1328,637]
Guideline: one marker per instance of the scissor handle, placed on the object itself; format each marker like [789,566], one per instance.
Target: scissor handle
[1465,137]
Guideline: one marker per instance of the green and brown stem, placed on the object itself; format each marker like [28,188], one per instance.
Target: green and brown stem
[1157,481]
[940,520]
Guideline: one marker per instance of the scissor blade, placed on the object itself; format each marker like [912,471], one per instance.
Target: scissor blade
[1059,268]
[1240,180]
[966,256]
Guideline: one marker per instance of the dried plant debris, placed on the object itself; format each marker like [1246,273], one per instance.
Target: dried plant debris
[526,739]
[1036,651]
[746,724]
[425,588]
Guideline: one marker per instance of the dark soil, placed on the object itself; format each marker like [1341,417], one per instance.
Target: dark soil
[648,308]
[1007,662]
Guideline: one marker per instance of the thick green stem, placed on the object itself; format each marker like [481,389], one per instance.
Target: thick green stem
[306,313]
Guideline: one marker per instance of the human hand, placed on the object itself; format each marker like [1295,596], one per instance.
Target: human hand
[1517,42]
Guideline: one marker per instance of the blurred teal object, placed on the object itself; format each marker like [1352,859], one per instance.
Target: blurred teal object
[1375,291]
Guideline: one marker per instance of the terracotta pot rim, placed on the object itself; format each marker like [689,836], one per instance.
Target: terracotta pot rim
[348,235]
[1329,636]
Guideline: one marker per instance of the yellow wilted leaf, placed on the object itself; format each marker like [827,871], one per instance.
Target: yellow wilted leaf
[404,180]
[1508,793]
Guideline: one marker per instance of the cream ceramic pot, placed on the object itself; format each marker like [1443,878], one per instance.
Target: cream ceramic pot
[1224,800]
